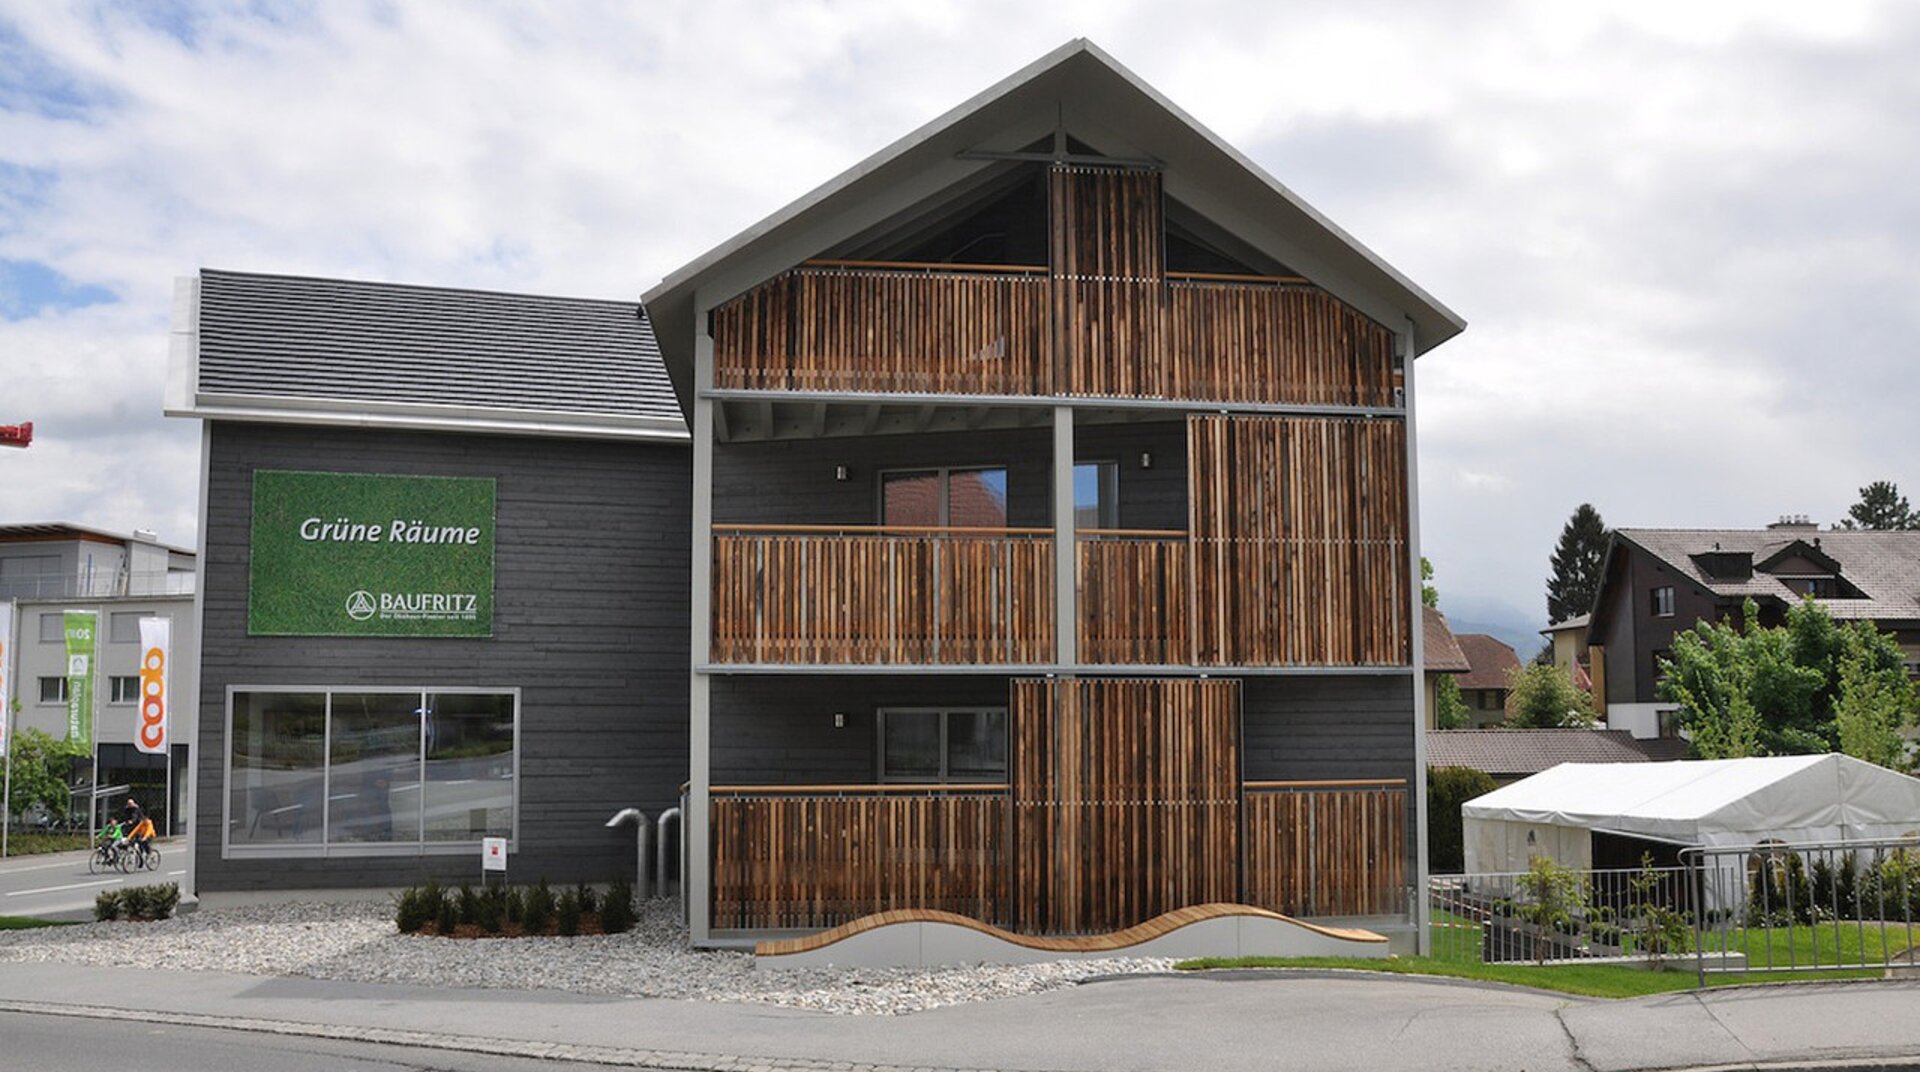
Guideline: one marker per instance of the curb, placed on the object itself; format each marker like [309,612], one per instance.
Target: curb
[661,1060]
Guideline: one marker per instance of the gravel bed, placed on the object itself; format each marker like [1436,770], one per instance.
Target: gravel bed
[357,942]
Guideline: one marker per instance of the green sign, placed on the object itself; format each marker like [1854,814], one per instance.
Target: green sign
[357,554]
[80,628]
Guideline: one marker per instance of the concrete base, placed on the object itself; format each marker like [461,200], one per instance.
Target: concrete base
[932,944]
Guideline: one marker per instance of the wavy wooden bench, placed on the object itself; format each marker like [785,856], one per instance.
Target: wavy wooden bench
[1157,927]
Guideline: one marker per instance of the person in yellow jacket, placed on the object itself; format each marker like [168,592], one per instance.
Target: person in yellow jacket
[139,828]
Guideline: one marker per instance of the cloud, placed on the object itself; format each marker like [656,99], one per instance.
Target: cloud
[1684,234]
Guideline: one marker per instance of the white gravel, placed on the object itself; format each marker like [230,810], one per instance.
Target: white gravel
[357,942]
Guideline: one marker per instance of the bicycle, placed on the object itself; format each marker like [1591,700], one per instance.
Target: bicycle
[106,856]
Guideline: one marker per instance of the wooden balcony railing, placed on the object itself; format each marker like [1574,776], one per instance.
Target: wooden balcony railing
[814,857]
[890,329]
[829,595]
[1135,604]
[1242,341]
[1334,848]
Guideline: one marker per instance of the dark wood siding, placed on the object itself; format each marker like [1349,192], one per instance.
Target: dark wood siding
[590,622]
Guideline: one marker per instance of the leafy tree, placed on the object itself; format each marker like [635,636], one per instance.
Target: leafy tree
[1576,565]
[1544,698]
[1447,789]
[1428,593]
[1449,710]
[1881,507]
[1556,899]
[1755,690]
[41,763]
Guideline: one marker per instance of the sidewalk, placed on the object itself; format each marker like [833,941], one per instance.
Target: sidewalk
[1225,1021]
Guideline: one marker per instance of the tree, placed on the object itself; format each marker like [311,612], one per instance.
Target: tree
[41,763]
[1576,562]
[1756,690]
[1882,508]
[1428,593]
[1544,698]
[1447,789]
[1449,710]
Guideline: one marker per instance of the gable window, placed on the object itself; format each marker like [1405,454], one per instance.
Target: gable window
[53,690]
[928,744]
[1822,587]
[1663,601]
[942,498]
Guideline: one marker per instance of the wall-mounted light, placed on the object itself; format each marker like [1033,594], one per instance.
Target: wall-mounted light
[839,720]
[840,473]
[1146,459]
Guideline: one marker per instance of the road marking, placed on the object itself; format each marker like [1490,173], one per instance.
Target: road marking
[170,874]
[40,867]
[75,886]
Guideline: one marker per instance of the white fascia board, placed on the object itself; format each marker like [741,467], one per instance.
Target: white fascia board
[354,413]
[183,345]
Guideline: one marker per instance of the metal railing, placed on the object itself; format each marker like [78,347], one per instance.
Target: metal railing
[1586,915]
[99,584]
[1812,906]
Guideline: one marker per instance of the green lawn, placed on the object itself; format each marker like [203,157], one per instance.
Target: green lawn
[24,923]
[1845,942]
[1591,980]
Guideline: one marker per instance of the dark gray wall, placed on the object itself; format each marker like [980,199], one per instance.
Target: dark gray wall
[778,730]
[590,622]
[792,481]
[1298,728]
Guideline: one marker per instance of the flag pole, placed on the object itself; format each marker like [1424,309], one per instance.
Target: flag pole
[6,732]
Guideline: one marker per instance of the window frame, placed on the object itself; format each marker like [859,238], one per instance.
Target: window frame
[116,617]
[1663,601]
[944,778]
[114,682]
[945,473]
[1107,481]
[57,619]
[323,849]
[62,686]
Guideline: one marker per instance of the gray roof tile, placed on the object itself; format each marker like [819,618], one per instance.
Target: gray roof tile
[1521,752]
[1884,566]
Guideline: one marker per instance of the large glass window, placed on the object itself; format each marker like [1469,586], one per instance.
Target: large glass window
[934,745]
[1096,499]
[961,498]
[371,770]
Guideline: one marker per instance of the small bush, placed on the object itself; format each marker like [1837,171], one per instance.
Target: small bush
[616,912]
[515,904]
[164,899]
[447,914]
[537,912]
[469,904]
[589,901]
[107,905]
[411,911]
[492,907]
[566,915]
[135,902]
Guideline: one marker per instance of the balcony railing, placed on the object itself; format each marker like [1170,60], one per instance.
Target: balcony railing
[1234,340]
[1135,604]
[97,585]
[1330,848]
[813,857]
[878,595]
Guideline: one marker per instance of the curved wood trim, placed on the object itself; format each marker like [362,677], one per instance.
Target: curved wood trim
[1156,927]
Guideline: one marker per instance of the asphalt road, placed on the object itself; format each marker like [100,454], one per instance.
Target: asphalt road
[58,883]
[67,1044]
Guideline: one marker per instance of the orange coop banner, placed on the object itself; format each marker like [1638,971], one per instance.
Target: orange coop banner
[156,685]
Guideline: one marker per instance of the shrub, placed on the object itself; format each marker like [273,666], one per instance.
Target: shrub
[566,915]
[1558,897]
[1659,929]
[514,902]
[107,905]
[163,900]
[411,911]
[537,912]
[1447,789]
[446,914]
[492,908]
[469,904]
[616,913]
[589,901]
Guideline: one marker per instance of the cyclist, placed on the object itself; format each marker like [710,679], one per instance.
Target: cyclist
[112,837]
[139,828]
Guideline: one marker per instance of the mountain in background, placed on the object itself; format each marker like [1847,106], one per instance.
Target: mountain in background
[1478,614]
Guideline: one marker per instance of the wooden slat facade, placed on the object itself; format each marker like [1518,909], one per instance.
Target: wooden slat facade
[1337,850]
[1135,599]
[785,859]
[1109,281]
[1299,528]
[882,597]
[1125,799]
[892,331]
[1231,342]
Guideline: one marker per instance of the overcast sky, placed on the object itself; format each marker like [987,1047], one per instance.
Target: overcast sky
[1686,235]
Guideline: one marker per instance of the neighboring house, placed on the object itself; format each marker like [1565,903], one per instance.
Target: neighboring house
[1050,496]
[1483,687]
[1044,553]
[1658,582]
[1570,654]
[49,569]
[1442,657]
[1510,755]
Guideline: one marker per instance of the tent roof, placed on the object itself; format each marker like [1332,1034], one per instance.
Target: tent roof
[1701,801]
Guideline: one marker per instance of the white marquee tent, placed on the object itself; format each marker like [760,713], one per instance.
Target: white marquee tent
[1697,802]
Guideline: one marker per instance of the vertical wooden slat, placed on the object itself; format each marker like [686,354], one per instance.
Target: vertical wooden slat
[1326,851]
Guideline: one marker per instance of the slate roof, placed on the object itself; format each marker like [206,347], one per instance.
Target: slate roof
[1884,566]
[1517,753]
[1490,660]
[1440,651]
[321,341]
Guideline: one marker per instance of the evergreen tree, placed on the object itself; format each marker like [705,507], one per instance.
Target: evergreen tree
[1576,565]
[1883,508]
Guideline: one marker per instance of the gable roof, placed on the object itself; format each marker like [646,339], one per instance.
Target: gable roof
[1490,660]
[1883,566]
[1101,102]
[308,350]
[1439,650]
[1510,753]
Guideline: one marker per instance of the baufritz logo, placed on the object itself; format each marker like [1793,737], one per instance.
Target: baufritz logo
[413,606]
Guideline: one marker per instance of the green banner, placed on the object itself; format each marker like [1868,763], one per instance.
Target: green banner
[359,554]
[81,629]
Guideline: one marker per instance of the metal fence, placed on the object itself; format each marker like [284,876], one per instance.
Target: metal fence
[1522,917]
[1814,906]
